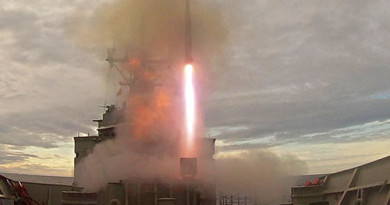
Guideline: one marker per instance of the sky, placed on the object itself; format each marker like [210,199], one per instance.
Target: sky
[307,78]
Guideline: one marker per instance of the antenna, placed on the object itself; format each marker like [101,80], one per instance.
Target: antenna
[111,61]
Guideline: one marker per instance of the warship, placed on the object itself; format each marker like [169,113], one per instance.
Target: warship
[145,79]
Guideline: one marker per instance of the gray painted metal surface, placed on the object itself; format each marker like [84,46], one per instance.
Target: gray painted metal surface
[364,185]
[44,189]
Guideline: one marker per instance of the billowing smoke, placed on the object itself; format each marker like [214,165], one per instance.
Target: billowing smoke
[150,35]
[153,28]
[147,144]
[260,175]
[113,161]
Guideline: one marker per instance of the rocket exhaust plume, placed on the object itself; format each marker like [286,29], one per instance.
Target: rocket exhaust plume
[189,108]
[189,85]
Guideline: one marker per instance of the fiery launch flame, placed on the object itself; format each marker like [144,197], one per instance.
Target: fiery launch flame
[189,107]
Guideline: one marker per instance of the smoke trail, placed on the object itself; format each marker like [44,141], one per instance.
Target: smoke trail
[153,28]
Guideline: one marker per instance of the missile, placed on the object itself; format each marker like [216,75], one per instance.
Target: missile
[188,33]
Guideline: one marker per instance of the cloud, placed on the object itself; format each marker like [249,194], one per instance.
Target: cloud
[310,72]
[47,84]
[332,157]
[11,155]
[35,169]
[298,68]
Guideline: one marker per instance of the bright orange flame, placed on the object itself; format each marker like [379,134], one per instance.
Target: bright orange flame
[189,106]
